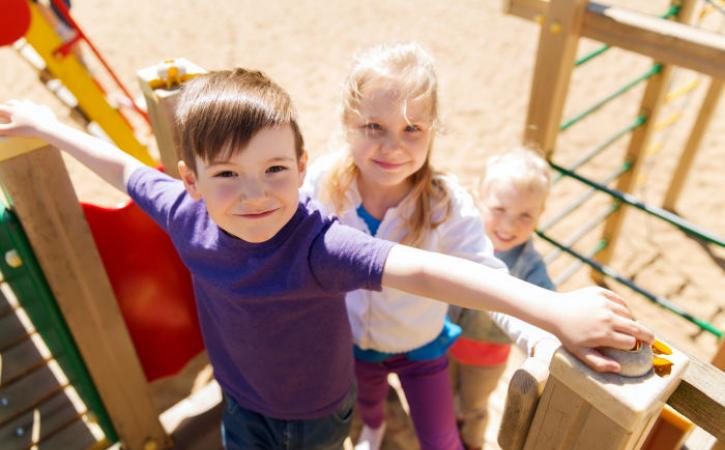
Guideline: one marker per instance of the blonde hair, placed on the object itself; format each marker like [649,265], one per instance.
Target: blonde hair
[524,167]
[408,70]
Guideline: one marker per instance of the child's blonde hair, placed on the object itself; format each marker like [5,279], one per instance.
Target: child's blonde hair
[524,167]
[407,70]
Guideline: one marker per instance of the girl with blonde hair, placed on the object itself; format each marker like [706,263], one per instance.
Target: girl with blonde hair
[381,182]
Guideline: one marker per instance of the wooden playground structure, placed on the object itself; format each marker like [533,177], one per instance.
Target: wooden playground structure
[85,333]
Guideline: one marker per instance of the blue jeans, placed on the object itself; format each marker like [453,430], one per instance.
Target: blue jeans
[243,429]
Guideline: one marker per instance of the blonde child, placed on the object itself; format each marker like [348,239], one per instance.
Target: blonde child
[512,193]
[382,183]
[271,271]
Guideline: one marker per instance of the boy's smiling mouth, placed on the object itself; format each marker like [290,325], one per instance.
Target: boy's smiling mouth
[257,214]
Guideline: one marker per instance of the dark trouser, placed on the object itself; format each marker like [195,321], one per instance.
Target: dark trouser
[243,429]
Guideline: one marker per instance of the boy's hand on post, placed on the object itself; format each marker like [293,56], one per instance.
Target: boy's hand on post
[595,317]
[24,118]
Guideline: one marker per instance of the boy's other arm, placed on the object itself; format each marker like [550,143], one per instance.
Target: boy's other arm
[23,118]
[583,319]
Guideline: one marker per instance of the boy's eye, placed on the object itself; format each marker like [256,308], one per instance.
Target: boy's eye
[276,169]
[225,174]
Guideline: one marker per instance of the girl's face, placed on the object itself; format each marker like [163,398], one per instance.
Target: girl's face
[387,145]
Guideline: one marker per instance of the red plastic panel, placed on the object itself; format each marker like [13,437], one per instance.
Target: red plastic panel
[152,286]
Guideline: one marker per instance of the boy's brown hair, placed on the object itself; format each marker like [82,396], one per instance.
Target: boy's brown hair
[222,110]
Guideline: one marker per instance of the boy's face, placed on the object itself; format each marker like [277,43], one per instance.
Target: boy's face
[255,192]
[510,214]
[388,147]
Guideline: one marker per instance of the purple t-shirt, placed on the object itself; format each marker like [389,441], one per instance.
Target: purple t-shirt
[272,314]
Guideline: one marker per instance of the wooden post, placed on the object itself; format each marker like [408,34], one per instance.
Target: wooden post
[583,409]
[40,192]
[525,389]
[677,181]
[161,106]
[558,40]
[649,107]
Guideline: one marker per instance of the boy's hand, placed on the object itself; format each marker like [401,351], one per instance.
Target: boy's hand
[595,317]
[24,118]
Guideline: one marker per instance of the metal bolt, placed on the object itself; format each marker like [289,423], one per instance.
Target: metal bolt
[539,18]
[20,432]
[4,401]
[555,28]
[12,259]
[150,444]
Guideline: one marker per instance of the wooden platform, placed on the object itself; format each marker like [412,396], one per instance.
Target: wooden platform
[37,404]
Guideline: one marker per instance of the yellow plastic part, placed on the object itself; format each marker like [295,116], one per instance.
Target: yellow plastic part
[76,78]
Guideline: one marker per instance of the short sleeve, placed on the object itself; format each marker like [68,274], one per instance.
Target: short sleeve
[343,259]
[539,276]
[156,193]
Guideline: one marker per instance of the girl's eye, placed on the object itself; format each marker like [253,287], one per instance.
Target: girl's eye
[412,129]
[276,169]
[225,174]
[373,126]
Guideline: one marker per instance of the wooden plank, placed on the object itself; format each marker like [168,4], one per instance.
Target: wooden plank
[555,57]
[19,360]
[663,40]
[5,306]
[701,397]
[649,107]
[677,181]
[61,240]
[525,388]
[24,394]
[44,420]
[12,332]
[560,414]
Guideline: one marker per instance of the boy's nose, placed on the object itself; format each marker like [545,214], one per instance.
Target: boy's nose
[251,190]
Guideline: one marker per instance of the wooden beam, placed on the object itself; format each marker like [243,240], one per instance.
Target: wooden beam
[701,397]
[555,58]
[43,198]
[649,107]
[707,109]
[664,40]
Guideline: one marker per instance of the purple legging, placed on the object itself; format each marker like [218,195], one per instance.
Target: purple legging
[427,388]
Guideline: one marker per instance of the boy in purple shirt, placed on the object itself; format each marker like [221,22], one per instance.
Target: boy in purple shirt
[270,271]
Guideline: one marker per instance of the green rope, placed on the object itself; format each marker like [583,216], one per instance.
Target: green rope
[655,69]
[609,272]
[638,122]
[665,215]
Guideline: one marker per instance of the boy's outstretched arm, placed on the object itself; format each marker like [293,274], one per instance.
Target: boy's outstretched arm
[582,319]
[23,118]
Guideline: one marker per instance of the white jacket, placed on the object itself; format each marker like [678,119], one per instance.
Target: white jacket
[393,321]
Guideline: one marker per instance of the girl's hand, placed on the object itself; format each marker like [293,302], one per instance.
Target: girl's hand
[24,118]
[594,317]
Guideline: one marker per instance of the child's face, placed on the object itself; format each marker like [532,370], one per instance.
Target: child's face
[255,192]
[510,214]
[387,147]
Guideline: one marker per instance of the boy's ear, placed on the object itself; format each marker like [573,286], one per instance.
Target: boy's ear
[302,167]
[189,178]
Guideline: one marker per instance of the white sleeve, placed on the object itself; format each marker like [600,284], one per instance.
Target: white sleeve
[463,235]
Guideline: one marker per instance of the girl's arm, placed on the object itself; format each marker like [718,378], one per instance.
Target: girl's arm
[22,118]
[582,319]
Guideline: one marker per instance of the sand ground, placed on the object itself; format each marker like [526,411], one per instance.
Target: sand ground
[484,61]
